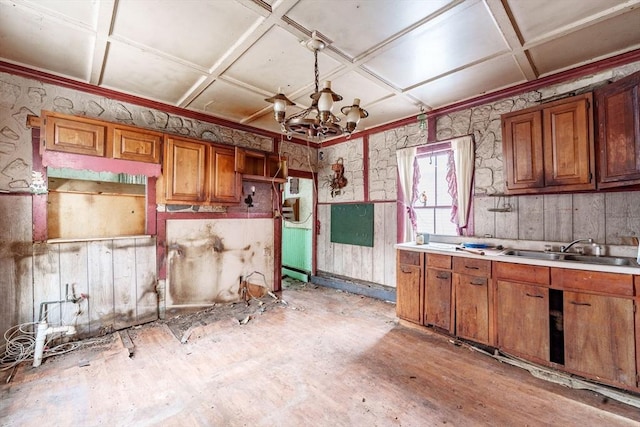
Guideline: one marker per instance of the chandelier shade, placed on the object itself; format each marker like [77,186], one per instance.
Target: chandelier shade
[317,121]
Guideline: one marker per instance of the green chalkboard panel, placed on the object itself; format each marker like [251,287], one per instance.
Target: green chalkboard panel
[352,224]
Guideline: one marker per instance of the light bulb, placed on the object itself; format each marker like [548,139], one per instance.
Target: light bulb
[325,102]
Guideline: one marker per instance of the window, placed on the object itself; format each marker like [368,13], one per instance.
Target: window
[434,203]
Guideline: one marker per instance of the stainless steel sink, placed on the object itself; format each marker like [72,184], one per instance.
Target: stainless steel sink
[534,254]
[571,257]
[591,259]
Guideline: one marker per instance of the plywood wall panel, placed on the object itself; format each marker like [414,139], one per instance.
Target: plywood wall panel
[622,211]
[588,220]
[73,272]
[558,217]
[46,281]
[531,215]
[390,240]
[124,283]
[100,281]
[16,278]
[146,296]
[507,222]
[379,235]
[484,221]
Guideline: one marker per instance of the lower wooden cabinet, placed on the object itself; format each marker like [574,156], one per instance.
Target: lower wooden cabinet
[472,307]
[522,310]
[599,337]
[522,317]
[471,279]
[410,288]
[580,321]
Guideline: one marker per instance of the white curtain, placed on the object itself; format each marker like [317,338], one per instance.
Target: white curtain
[464,159]
[406,170]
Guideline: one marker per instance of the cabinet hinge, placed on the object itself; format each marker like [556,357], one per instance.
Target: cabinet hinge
[590,177]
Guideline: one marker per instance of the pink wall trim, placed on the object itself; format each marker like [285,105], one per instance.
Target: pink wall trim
[99,164]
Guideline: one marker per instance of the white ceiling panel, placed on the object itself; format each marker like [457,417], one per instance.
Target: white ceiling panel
[81,11]
[619,34]
[201,41]
[229,101]
[482,78]
[223,57]
[368,22]
[279,59]
[387,111]
[536,18]
[466,35]
[133,71]
[28,38]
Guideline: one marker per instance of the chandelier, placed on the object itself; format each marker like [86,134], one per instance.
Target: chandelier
[317,121]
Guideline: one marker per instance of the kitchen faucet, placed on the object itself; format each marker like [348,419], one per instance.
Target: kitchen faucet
[566,248]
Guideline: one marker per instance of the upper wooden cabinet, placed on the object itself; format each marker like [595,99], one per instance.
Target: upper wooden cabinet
[259,166]
[81,135]
[136,144]
[185,173]
[549,148]
[76,135]
[618,112]
[225,183]
[197,172]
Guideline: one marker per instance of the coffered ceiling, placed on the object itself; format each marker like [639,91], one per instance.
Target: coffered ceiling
[224,57]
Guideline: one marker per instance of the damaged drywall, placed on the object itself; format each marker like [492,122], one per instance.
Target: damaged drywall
[208,260]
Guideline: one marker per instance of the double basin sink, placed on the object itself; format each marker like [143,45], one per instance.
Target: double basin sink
[572,257]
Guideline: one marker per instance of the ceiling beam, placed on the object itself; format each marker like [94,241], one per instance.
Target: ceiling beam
[106,12]
[508,28]
[252,35]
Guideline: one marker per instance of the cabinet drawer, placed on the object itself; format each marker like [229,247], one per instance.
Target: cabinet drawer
[409,257]
[593,281]
[472,266]
[522,273]
[439,261]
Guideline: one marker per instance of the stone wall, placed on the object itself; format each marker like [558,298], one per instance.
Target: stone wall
[20,97]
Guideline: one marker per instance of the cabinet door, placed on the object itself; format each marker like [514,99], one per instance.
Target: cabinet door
[409,286]
[185,172]
[437,297]
[522,149]
[599,337]
[75,135]
[618,112]
[568,144]
[225,182]
[523,319]
[136,145]
[472,307]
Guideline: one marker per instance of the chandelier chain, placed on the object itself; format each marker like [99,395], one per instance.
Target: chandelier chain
[315,68]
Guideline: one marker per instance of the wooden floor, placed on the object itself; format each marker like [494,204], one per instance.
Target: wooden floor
[325,358]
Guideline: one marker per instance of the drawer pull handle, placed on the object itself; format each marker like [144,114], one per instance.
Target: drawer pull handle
[534,296]
[442,276]
[580,303]
[470,267]
[405,270]
[477,282]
